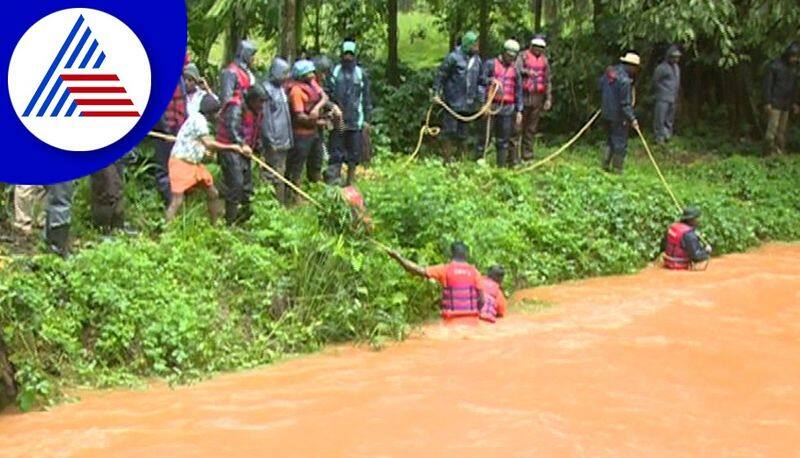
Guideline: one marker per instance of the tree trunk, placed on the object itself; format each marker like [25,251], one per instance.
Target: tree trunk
[233,35]
[597,13]
[8,387]
[392,70]
[299,15]
[288,40]
[318,27]
[537,15]
[483,27]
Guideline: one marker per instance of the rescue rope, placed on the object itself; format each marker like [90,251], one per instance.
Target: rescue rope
[563,147]
[664,181]
[434,131]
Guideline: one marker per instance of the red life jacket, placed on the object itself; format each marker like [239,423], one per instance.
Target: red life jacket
[538,73]
[459,296]
[251,125]
[675,257]
[243,82]
[507,76]
[491,291]
[175,114]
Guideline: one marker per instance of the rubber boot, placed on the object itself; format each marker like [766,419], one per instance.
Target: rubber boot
[231,212]
[502,157]
[351,174]
[607,161]
[617,162]
[333,176]
[57,239]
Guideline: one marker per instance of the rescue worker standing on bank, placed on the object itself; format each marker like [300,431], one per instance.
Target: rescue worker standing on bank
[276,129]
[239,124]
[459,83]
[238,76]
[667,86]
[616,90]
[507,104]
[462,288]
[305,102]
[349,89]
[537,95]
[681,245]
[780,96]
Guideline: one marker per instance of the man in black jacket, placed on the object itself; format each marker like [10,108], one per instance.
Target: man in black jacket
[780,95]
[616,90]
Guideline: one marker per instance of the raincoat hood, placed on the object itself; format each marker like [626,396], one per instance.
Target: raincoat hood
[279,70]
[245,52]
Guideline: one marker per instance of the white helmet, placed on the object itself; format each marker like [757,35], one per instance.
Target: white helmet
[539,42]
[511,47]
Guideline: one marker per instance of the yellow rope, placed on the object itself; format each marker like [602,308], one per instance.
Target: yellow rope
[563,147]
[663,179]
[426,129]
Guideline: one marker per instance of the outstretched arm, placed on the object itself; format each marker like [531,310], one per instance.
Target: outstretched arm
[410,267]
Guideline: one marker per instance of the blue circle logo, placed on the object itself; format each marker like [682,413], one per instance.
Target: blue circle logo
[86,84]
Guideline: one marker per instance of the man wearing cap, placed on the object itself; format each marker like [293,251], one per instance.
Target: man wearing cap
[507,102]
[616,90]
[349,89]
[459,83]
[780,96]
[666,85]
[305,102]
[681,245]
[536,92]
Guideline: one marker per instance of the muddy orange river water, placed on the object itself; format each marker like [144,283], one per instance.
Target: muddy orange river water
[655,364]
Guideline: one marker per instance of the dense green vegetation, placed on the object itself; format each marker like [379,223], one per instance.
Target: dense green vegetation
[193,299]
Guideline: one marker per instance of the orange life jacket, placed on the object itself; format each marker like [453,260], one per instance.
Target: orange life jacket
[459,295]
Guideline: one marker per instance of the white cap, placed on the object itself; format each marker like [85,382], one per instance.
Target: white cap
[631,58]
[539,42]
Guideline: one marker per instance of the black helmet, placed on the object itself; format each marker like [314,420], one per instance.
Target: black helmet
[690,213]
[496,273]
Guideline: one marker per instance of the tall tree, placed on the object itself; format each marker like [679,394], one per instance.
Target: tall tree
[392,70]
[537,15]
[299,16]
[288,37]
[484,26]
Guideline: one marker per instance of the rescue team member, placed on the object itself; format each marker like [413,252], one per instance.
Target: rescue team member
[196,88]
[306,102]
[349,89]
[780,95]
[462,288]
[193,143]
[237,77]
[459,83]
[494,306]
[508,100]
[107,188]
[276,129]
[666,85]
[170,122]
[330,118]
[28,206]
[616,90]
[681,245]
[239,124]
[537,94]
[58,217]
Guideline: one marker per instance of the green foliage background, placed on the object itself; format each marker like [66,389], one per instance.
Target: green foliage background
[195,300]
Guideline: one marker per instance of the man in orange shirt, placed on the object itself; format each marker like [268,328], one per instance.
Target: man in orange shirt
[462,288]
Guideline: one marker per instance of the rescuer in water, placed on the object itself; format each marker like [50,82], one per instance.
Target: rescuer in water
[494,300]
[681,245]
[462,285]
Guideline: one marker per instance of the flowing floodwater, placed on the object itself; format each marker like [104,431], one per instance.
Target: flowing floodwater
[656,364]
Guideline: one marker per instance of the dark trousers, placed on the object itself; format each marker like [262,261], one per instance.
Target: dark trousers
[237,185]
[277,160]
[617,142]
[107,186]
[503,130]
[664,120]
[346,147]
[530,125]
[297,160]
[161,169]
